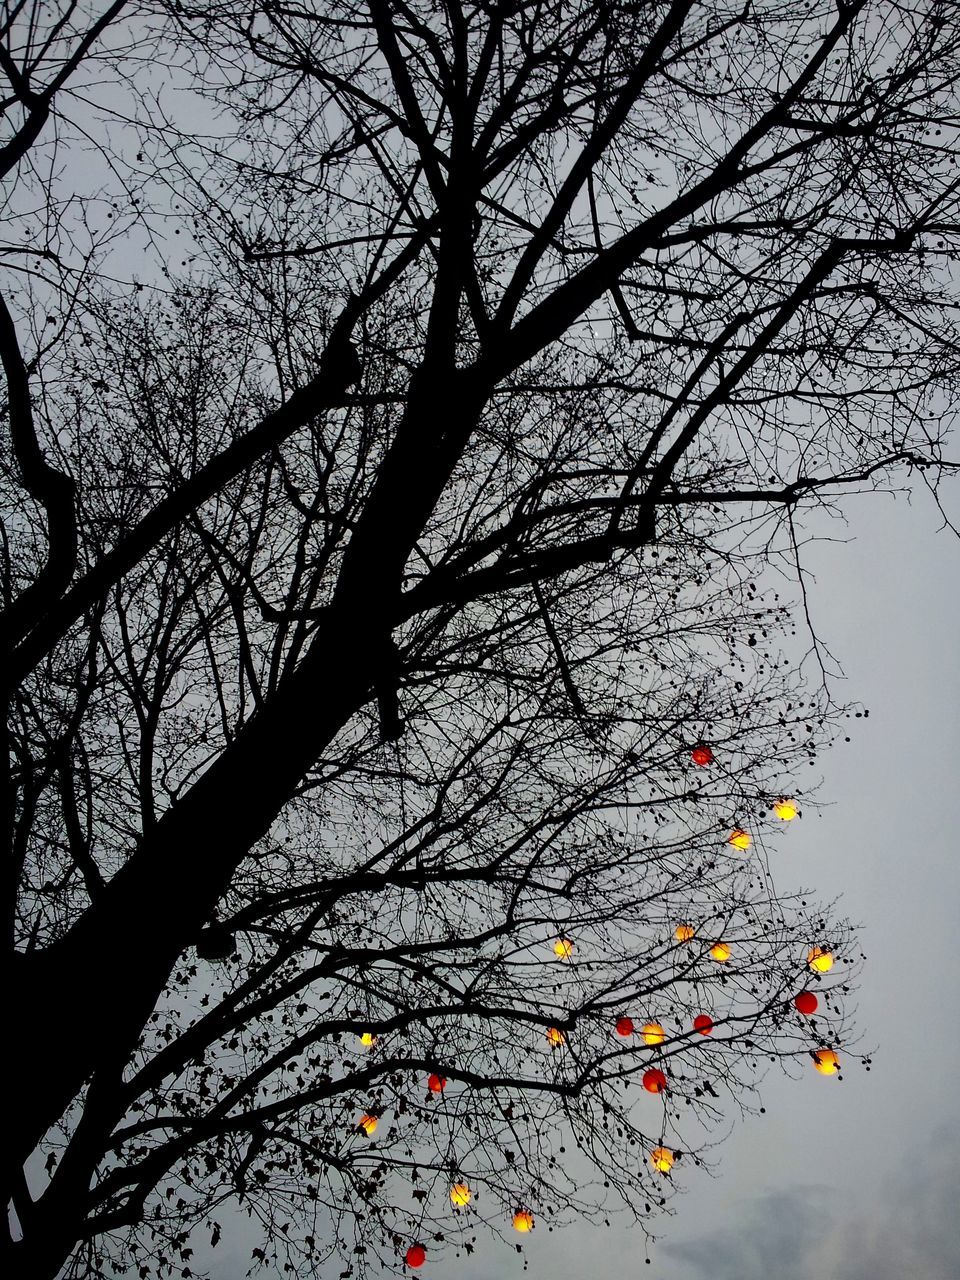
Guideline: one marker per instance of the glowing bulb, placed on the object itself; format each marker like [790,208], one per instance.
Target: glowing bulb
[826,1062]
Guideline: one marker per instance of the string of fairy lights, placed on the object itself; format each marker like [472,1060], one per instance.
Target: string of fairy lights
[825,1060]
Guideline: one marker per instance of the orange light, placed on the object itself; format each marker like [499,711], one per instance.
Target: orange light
[368,1124]
[653,1033]
[523,1221]
[739,838]
[826,1062]
[786,810]
[368,1039]
[654,1081]
[662,1159]
[820,960]
[460,1194]
[555,1037]
[720,952]
[563,948]
[436,1084]
[684,932]
[701,755]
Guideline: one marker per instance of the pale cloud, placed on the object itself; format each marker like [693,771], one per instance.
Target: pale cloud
[911,1229]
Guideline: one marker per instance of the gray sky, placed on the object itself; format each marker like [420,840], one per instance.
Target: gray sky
[856,1179]
[859,1179]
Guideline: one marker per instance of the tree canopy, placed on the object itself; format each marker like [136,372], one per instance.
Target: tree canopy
[413,419]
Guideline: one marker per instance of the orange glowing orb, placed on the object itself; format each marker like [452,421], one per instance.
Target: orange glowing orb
[460,1194]
[701,755]
[555,1037]
[720,952]
[684,932]
[739,838]
[662,1159]
[654,1081]
[563,948]
[826,1062]
[523,1221]
[436,1084]
[368,1124]
[820,960]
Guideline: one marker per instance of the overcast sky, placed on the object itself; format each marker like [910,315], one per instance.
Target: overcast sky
[859,1179]
[856,1179]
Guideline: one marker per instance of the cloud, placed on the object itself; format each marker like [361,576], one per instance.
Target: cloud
[913,1228]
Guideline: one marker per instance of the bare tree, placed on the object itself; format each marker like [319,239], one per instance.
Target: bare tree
[369,586]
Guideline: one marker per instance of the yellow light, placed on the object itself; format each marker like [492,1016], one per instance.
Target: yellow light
[653,1033]
[563,948]
[720,952]
[368,1124]
[820,960]
[523,1220]
[684,932]
[786,809]
[460,1194]
[826,1062]
[662,1159]
[740,839]
[368,1039]
[556,1037]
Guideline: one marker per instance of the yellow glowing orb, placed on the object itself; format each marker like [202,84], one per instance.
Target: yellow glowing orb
[786,809]
[820,960]
[662,1159]
[826,1062]
[460,1194]
[368,1124]
[653,1033]
[523,1220]
[368,1039]
[563,948]
[720,952]
[740,839]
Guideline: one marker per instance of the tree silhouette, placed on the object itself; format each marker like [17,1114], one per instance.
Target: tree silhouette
[372,573]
